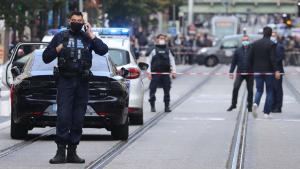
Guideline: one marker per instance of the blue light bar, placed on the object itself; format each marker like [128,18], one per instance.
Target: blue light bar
[55,31]
[112,31]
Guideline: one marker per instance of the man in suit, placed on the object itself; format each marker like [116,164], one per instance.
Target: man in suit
[263,63]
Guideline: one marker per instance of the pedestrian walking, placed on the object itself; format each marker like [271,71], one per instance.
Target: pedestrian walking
[73,48]
[161,60]
[277,88]
[263,64]
[241,61]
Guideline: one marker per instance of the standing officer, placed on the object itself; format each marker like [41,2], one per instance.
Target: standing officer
[277,89]
[241,60]
[161,60]
[263,62]
[73,48]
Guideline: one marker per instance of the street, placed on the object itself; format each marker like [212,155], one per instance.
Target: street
[198,133]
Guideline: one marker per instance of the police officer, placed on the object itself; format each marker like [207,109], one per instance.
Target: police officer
[241,60]
[161,60]
[277,87]
[73,48]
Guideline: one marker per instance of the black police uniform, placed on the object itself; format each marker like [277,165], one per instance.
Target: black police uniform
[161,63]
[74,62]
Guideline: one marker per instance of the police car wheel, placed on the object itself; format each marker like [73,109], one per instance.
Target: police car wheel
[137,120]
[120,132]
[18,131]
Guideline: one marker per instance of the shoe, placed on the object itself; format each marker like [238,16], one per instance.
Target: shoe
[249,108]
[276,110]
[254,110]
[231,108]
[60,156]
[267,116]
[72,156]
[152,107]
[167,108]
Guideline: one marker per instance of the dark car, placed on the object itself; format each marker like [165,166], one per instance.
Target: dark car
[223,51]
[33,97]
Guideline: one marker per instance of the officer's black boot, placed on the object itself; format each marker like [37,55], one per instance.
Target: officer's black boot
[72,156]
[167,108]
[152,106]
[60,156]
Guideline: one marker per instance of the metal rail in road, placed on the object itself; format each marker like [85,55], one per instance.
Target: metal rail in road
[237,151]
[112,153]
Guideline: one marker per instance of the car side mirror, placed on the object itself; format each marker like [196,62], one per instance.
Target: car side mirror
[143,66]
[15,71]
[123,72]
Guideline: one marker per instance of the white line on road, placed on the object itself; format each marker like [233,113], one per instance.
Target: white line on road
[198,118]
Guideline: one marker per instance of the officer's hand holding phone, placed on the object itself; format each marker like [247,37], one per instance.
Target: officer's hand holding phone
[88,30]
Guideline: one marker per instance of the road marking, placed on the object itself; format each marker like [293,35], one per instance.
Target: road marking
[284,120]
[4,124]
[198,119]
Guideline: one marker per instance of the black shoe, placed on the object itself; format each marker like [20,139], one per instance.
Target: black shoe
[231,108]
[152,107]
[167,108]
[72,156]
[60,156]
[276,110]
[249,108]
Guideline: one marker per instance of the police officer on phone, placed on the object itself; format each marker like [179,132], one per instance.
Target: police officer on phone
[161,60]
[73,48]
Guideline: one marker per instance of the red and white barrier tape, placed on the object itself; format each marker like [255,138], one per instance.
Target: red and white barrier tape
[220,73]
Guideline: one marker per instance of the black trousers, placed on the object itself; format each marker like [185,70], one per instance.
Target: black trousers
[72,99]
[163,81]
[277,94]
[236,86]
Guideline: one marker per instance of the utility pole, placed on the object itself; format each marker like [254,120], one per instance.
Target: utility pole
[190,12]
[80,5]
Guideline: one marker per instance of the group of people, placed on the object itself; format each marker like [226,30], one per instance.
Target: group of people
[261,61]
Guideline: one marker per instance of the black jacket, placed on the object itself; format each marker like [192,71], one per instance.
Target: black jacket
[262,56]
[280,55]
[241,60]
[50,52]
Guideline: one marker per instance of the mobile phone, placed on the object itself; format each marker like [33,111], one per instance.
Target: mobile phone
[85,28]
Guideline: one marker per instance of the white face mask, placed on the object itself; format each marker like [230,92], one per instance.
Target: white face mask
[161,42]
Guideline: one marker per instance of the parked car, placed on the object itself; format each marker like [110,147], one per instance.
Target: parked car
[120,52]
[223,51]
[33,95]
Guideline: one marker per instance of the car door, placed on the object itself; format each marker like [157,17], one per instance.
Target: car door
[228,47]
[20,55]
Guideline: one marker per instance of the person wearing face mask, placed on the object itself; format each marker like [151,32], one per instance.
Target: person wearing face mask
[241,61]
[277,87]
[161,60]
[73,48]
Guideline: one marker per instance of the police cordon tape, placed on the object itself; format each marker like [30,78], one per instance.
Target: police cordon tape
[219,73]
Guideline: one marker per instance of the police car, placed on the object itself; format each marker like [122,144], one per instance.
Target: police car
[120,52]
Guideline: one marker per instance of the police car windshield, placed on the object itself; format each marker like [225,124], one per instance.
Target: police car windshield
[99,63]
[119,57]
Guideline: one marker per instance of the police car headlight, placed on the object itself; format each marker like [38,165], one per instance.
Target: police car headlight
[203,50]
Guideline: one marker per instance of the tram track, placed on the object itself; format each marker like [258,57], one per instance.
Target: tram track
[11,149]
[112,153]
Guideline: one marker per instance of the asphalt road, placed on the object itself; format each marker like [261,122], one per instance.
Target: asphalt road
[196,134]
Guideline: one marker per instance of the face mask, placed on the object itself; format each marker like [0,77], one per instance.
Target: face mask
[76,27]
[161,42]
[274,39]
[245,43]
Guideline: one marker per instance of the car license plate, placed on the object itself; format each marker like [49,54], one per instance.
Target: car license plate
[54,107]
